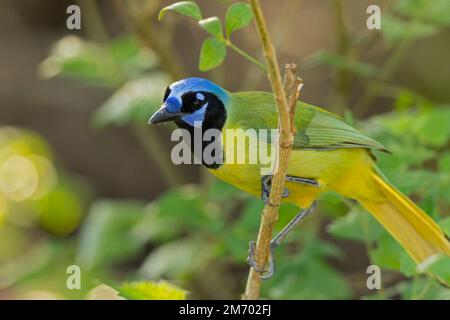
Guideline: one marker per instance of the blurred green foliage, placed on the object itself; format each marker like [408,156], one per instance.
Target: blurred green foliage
[161,290]
[196,236]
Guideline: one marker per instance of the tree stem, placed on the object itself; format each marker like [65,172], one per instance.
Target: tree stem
[342,77]
[286,98]
[389,67]
[141,15]
[152,39]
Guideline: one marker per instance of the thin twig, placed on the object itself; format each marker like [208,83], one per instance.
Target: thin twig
[150,38]
[284,97]
[140,15]
[343,77]
[93,21]
[246,55]
[385,74]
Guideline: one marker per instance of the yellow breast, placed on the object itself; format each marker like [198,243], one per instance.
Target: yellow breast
[341,170]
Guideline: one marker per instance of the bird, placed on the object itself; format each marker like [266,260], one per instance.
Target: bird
[328,154]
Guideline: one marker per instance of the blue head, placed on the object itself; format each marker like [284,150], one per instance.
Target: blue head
[193,102]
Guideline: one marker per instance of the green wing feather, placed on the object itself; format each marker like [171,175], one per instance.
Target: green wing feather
[316,128]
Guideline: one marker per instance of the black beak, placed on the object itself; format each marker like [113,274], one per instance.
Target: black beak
[162,115]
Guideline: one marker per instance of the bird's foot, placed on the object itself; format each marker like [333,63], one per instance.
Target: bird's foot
[266,183]
[275,242]
[265,273]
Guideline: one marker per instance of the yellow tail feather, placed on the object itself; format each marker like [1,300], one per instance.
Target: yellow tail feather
[406,222]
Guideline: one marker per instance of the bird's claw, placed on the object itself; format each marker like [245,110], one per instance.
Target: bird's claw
[251,257]
[266,182]
[264,273]
[276,241]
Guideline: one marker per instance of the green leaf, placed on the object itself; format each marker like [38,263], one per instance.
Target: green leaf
[244,228]
[407,155]
[396,30]
[340,62]
[238,16]
[444,162]
[222,191]
[150,290]
[177,259]
[332,205]
[422,288]
[313,279]
[74,57]
[96,63]
[432,127]
[407,99]
[174,204]
[212,54]
[131,57]
[186,8]
[168,219]
[213,26]
[133,102]
[438,265]
[388,253]
[305,272]
[356,225]
[436,11]
[407,265]
[421,181]
[106,236]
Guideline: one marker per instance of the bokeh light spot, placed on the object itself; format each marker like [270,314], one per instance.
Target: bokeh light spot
[18,178]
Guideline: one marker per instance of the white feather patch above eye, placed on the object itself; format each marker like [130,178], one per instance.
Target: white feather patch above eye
[200,96]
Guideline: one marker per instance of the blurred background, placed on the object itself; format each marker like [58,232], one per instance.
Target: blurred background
[84,181]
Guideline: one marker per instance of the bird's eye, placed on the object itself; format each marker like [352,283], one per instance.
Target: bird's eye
[193,101]
[198,100]
[197,103]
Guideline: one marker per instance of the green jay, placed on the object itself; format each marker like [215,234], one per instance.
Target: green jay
[328,154]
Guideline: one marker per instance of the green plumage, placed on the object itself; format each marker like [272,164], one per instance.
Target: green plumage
[316,128]
[326,150]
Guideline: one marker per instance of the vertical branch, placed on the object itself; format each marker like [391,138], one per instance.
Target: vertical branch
[292,87]
[150,37]
[93,21]
[140,15]
[343,77]
[286,97]
[148,139]
[385,74]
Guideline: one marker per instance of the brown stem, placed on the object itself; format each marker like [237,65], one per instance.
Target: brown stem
[343,77]
[141,17]
[286,98]
[385,74]
[93,22]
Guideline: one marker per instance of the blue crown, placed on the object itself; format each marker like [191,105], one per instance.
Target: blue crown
[198,84]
